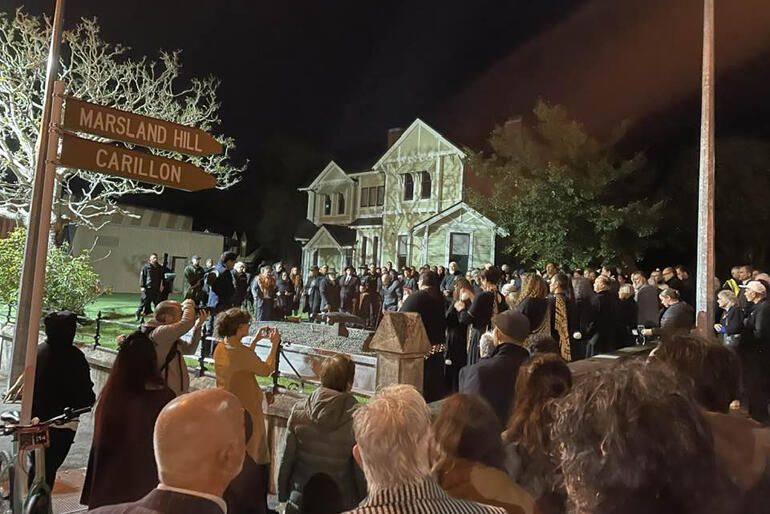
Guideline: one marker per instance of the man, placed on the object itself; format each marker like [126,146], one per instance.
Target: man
[757,350]
[330,292]
[62,379]
[614,286]
[263,289]
[448,283]
[193,281]
[494,378]
[313,293]
[429,304]
[200,444]
[687,294]
[744,276]
[168,280]
[349,290]
[598,324]
[171,321]
[393,447]
[677,316]
[389,293]
[221,291]
[671,280]
[646,297]
[733,282]
[241,284]
[550,271]
[151,283]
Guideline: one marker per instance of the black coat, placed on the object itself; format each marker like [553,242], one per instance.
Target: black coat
[222,290]
[494,378]
[758,326]
[599,325]
[164,502]
[151,278]
[626,321]
[680,317]
[348,290]
[687,293]
[534,309]
[330,295]
[430,305]
[241,286]
[390,295]
[448,282]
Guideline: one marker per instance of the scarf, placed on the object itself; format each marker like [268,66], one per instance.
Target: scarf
[560,324]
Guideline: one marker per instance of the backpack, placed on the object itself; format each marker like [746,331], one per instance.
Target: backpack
[170,356]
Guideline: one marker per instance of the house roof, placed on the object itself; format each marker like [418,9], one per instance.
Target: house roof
[367,222]
[306,230]
[330,168]
[457,207]
[343,235]
[417,123]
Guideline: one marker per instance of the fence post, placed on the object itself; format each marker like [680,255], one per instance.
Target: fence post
[97,334]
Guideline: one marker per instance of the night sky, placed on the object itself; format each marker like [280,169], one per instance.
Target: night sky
[305,82]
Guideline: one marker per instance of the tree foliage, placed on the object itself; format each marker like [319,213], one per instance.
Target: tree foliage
[70,282]
[552,188]
[103,73]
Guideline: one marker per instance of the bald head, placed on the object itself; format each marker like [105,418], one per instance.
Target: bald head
[200,441]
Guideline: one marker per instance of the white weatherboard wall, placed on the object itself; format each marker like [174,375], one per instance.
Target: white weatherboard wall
[120,251]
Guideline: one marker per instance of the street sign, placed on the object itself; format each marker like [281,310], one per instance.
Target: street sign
[133,128]
[85,154]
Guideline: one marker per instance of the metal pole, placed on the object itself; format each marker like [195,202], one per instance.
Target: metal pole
[36,247]
[705,284]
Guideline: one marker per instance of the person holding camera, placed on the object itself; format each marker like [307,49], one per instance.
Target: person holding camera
[237,367]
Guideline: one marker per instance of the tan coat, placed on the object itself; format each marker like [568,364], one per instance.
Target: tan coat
[237,368]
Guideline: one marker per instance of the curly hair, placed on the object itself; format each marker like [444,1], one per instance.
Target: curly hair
[532,286]
[226,324]
[631,441]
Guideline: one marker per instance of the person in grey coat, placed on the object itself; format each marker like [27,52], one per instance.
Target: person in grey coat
[319,439]
[677,317]
[646,297]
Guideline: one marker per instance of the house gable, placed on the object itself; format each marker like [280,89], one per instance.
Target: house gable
[418,141]
[332,174]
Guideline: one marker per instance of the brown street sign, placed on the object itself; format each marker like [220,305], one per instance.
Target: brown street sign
[80,153]
[133,128]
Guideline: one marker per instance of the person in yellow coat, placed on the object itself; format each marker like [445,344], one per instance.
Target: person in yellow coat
[237,367]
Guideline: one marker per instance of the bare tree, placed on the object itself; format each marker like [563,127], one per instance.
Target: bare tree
[103,73]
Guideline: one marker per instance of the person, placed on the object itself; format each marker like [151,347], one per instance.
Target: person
[237,367]
[677,316]
[742,445]
[448,282]
[533,303]
[221,291]
[687,294]
[263,289]
[598,323]
[390,293]
[564,321]
[409,284]
[730,325]
[543,343]
[299,290]
[370,306]
[646,296]
[313,293]
[656,279]
[62,379]
[330,292]
[613,285]
[732,284]
[393,446]
[456,355]
[494,378]
[321,495]
[626,316]
[121,464]
[529,460]
[429,304]
[241,284]
[671,280]
[151,283]
[666,463]
[319,439]
[486,346]
[470,456]
[485,305]
[171,321]
[348,285]
[284,296]
[756,354]
[199,446]
[194,275]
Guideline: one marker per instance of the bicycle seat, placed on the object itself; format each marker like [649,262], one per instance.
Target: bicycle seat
[10,417]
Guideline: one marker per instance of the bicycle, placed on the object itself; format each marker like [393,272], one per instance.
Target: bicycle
[35,499]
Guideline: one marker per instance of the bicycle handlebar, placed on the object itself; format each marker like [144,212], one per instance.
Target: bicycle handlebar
[68,415]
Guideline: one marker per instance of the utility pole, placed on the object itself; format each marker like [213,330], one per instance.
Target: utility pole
[705,283]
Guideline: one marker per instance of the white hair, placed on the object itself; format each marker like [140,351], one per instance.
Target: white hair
[393,432]
[486,344]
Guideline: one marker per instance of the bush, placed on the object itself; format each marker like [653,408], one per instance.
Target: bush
[70,281]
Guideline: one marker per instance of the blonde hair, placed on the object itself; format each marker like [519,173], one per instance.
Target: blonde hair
[626,291]
[532,286]
[728,295]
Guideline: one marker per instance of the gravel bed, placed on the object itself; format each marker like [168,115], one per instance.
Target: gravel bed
[318,336]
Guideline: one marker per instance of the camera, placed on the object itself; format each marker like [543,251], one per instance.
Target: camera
[641,339]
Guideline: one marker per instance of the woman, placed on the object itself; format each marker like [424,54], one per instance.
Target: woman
[456,355]
[544,378]
[319,439]
[299,289]
[533,303]
[370,307]
[564,317]
[284,295]
[470,456]
[237,367]
[627,316]
[730,325]
[487,302]
[121,465]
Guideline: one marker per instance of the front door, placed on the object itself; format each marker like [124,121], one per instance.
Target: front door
[459,249]
[403,247]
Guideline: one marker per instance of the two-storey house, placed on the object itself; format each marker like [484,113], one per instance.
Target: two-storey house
[409,209]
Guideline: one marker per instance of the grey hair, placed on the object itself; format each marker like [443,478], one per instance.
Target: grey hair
[166,308]
[486,344]
[728,295]
[392,433]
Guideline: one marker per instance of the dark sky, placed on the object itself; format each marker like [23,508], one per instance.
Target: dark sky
[329,78]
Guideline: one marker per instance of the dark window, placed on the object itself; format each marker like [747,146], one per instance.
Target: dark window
[340,203]
[380,195]
[408,187]
[363,252]
[327,205]
[375,249]
[315,257]
[364,197]
[403,245]
[459,249]
[426,185]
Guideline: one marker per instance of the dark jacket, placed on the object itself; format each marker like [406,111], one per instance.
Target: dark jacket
[732,326]
[164,502]
[627,315]
[63,377]
[494,378]
[598,323]
[448,282]
[648,305]
[348,290]
[319,439]
[241,287]
[151,277]
[330,295]
[430,305]
[534,309]
[193,282]
[758,326]
[390,295]
[222,290]
[688,291]
[680,317]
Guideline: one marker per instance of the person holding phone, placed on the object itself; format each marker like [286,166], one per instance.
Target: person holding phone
[237,367]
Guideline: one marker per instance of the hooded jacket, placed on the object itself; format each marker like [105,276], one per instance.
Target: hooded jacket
[319,439]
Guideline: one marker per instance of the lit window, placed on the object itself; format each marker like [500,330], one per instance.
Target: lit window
[408,187]
[426,185]
[327,205]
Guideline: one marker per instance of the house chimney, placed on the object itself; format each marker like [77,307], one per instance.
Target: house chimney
[393,135]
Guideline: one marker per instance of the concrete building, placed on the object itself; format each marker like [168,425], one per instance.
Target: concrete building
[409,209]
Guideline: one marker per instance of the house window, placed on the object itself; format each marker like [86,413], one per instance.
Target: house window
[408,187]
[380,195]
[340,203]
[364,197]
[459,249]
[403,246]
[363,252]
[315,257]
[327,205]
[425,184]
[375,249]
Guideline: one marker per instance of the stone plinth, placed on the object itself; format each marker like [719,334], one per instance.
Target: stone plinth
[400,344]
